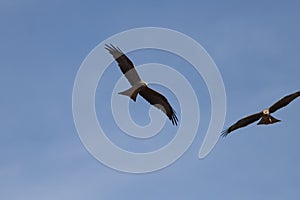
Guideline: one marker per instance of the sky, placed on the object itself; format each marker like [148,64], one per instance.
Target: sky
[255,45]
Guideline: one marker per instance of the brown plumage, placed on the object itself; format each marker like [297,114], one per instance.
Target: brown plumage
[264,116]
[140,87]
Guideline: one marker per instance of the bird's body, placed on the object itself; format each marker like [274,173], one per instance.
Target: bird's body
[138,86]
[264,116]
[134,90]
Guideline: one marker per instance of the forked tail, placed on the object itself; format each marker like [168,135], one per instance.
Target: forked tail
[133,91]
[268,119]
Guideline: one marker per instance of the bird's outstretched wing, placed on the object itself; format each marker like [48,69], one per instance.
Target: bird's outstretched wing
[284,102]
[124,63]
[158,100]
[242,123]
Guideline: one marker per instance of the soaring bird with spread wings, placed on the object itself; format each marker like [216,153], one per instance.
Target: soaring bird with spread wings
[264,116]
[140,87]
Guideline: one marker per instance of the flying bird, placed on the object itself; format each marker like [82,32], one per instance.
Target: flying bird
[264,116]
[138,86]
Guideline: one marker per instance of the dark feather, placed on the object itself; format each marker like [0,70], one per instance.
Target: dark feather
[284,102]
[124,63]
[242,123]
[158,100]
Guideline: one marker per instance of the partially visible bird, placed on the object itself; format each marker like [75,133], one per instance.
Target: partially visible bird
[264,116]
[140,87]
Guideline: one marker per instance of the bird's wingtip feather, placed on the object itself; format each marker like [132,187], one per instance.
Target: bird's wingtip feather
[174,118]
[224,133]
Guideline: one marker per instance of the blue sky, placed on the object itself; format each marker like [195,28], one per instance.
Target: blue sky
[255,45]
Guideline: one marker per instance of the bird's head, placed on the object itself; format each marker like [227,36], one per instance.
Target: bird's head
[142,83]
[266,112]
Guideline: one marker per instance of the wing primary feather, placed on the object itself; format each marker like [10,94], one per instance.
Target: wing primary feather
[224,133]
[119,49]
[174,118]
